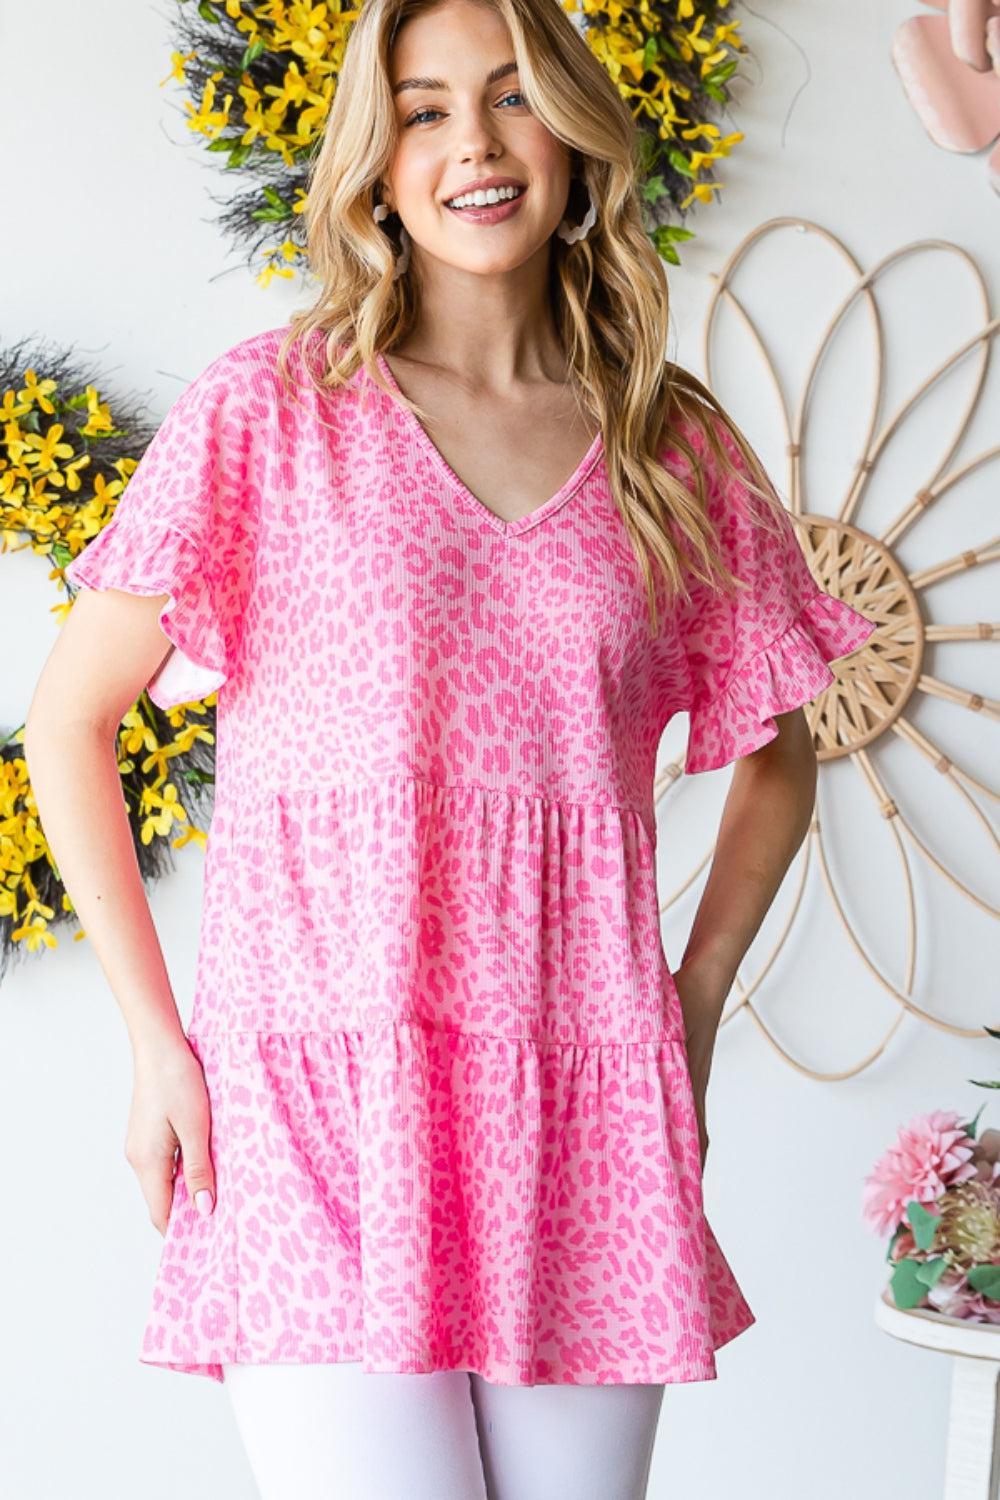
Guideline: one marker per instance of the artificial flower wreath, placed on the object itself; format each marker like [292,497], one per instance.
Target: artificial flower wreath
[261,75]
[64,463]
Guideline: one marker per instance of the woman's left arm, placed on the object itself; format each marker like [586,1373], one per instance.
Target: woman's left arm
[765,819]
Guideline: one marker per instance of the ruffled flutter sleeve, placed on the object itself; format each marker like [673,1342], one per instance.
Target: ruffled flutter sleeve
[767,650]
[186,525]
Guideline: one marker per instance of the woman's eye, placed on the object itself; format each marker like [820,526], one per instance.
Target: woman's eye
[418,115]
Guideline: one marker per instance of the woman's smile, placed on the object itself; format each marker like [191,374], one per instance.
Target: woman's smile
[487,213]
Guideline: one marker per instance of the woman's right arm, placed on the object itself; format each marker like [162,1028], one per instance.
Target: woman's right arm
[108,648]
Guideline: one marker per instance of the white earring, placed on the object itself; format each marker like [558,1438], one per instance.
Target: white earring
[570,232]
[403,259]
[380,212]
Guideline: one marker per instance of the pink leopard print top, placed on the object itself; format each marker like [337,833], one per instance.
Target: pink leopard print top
[452,1120]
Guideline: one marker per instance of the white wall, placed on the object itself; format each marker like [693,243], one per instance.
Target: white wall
[812,1400]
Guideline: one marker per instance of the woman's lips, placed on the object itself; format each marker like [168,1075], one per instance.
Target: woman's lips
[490,213]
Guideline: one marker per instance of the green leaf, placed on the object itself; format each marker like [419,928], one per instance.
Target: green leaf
[722,72]
[923,1223]
[653,188]
[648,152]
[986,1279]
[252,53]
[194,777]
[239,154]
[208,12]
[650,53]
[222,143]
[675,232]
[908,1289]
[931,1271]
[661,240]
[275,199]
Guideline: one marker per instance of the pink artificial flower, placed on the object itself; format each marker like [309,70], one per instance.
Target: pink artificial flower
[953,1296]
[986,1156]
[949,67]
[904,1246]
[930,1154]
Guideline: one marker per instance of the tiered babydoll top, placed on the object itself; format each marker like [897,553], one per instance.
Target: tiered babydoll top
[452,1118]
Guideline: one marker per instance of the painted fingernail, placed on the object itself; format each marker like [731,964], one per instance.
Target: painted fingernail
[203,1201]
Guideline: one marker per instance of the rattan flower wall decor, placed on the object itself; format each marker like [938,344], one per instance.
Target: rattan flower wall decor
[876,696]
[259,77]
[66,454]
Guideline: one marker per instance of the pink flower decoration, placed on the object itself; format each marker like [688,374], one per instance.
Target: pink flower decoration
[986,1156]
[904,1246]
[929,1155]
[949,67]
[953,1296]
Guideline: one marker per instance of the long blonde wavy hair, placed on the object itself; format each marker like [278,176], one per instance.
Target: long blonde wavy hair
[609,291]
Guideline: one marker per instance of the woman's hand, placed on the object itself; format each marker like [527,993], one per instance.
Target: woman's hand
[702,993]
[170,1108]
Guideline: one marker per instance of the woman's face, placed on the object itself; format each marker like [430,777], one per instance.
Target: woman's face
[457,125]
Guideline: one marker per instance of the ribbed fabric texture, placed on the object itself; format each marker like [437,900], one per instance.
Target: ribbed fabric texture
[453,1124]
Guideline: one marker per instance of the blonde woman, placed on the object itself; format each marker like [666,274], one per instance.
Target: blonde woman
[453,547]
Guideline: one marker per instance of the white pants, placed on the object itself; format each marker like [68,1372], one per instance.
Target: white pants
[335,1432]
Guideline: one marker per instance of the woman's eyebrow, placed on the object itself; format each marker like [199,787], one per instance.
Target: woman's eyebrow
[493,76]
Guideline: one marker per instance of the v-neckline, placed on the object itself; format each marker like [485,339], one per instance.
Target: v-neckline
[505,528]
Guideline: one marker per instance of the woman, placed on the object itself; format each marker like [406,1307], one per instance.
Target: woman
[440,1098]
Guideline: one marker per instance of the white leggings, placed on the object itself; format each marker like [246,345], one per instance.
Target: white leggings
[335,1432]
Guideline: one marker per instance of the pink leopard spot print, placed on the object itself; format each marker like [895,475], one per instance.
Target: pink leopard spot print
[452,1118]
